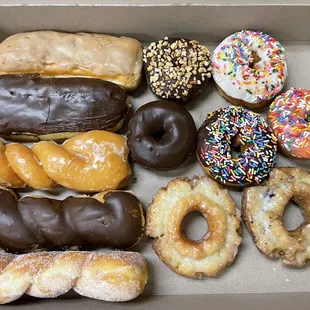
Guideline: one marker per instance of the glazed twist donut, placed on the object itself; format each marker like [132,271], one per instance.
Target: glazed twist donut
[108,219]
[215,250]
[90,162]
[115,276]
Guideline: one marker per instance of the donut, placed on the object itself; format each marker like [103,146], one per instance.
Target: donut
[209,255]
[113,219]
[93,161]
[289,117]
[34,108]
[262,211]
[249,68]
[236,128]
[63,54]
[177,69]
[161,135]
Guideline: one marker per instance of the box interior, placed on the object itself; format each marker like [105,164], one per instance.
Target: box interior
[252,272]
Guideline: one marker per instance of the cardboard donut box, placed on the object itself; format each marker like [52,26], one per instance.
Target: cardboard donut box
[253,281]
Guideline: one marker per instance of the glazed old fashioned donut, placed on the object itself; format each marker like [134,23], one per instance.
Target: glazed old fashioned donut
[249,68]
[289,117]
[177,69]
[262,210]
[236,127]
[217,249]
[161,135]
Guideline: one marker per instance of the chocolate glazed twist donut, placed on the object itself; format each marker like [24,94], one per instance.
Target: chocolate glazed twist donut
[90,162]
[111,219]
[115,276]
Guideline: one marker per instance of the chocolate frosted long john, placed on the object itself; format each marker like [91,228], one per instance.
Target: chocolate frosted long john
[34,108]
[112,219]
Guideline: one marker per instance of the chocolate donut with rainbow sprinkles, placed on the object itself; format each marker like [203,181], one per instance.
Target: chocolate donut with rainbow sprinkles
[249,68]
[236,128]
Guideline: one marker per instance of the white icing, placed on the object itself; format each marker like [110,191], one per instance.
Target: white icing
[232,69]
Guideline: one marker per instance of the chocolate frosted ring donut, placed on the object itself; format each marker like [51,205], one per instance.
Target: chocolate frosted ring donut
[161,135]
[262,211]
[212,253]
[236,127]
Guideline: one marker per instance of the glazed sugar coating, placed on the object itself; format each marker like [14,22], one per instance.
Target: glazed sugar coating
[250,66]
[236,126]
[176,68]
[52,53]
[289,117]
[209,255]
[262,210]
[90,162]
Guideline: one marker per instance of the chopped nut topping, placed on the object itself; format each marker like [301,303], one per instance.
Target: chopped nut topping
[175,68]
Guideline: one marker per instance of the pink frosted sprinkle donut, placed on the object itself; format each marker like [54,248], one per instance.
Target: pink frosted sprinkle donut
[289,117]
[249,67]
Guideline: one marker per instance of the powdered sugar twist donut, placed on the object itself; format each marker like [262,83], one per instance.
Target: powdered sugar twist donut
[289,117]
[249,68]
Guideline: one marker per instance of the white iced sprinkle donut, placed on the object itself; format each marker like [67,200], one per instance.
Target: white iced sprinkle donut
[249,68]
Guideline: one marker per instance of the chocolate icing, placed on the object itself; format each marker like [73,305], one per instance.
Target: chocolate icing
[161,135]
[30,104]
[35,222]
[236,128]
[177,69]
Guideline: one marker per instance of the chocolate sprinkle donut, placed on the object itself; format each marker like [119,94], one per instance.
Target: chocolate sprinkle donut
[236,127]
[177,69]
[161,135]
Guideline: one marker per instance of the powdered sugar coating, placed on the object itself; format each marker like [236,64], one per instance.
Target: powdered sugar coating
[118,276]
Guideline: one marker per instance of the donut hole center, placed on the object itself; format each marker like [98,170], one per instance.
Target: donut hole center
[235,147]
[158,134]
[195,226]
[293,216]
[255,59]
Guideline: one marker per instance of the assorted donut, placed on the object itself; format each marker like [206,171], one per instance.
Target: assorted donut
[236,127]
[249,68]
[161,135]
[289,117]
[177,69]
[76,91]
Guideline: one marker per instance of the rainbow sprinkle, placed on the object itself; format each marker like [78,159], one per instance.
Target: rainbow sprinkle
[289,117]
[220,130]
[250,65]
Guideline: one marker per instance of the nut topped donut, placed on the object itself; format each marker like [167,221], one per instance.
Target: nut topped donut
[177,69]
[249,68]
[161,135]
[289,117]
[236,127]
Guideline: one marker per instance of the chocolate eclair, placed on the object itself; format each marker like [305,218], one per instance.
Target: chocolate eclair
[34,108]
[112,219]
